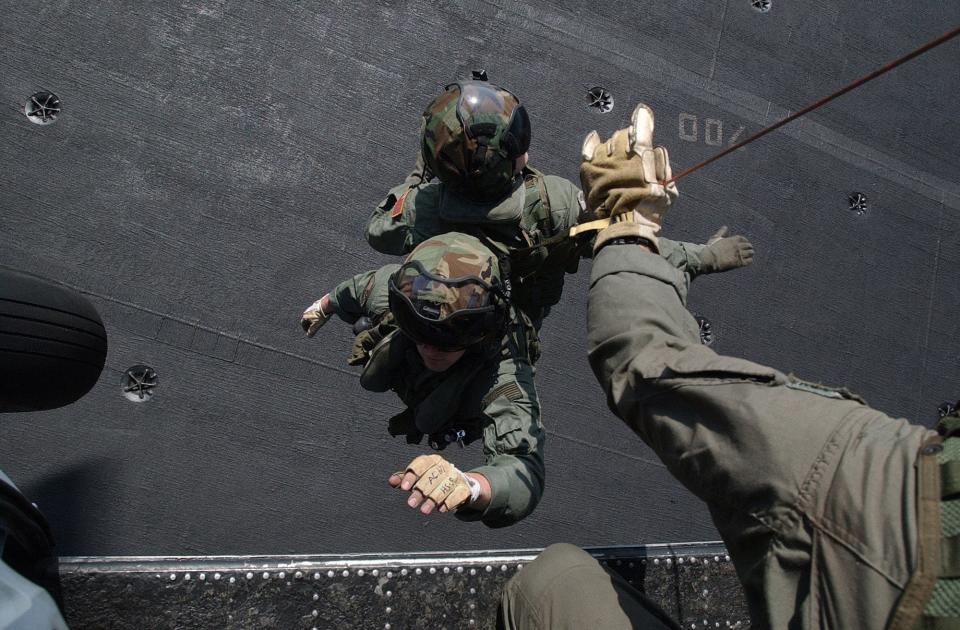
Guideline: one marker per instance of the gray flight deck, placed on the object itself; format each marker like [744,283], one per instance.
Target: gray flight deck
[212,165]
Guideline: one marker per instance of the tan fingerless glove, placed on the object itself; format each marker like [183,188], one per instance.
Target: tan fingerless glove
[441,481]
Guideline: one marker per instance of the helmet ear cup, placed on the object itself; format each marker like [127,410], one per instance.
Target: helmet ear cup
[516,139]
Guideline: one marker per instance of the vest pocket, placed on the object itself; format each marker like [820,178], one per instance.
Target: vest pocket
[509,434]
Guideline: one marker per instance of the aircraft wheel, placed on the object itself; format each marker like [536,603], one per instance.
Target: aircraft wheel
[52,344]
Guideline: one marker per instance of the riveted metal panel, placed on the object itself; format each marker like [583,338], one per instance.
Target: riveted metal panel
[695,583]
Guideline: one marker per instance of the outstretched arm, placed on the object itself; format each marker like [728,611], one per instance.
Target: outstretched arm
[365,294]
[720,253]
[513,442]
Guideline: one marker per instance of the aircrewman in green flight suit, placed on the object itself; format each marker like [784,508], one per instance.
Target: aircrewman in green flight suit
[445,338]
[834,514]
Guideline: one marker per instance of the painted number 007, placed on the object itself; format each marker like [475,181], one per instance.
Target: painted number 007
[712,130]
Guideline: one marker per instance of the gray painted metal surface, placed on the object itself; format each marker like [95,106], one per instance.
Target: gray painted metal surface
[693,582]
[213,164]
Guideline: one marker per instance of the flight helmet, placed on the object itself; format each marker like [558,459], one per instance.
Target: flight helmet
[448,293]
[471,136]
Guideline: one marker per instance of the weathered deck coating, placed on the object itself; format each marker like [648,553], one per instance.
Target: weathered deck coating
[213,166]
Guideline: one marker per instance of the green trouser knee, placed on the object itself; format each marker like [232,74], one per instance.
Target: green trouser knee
[566,589]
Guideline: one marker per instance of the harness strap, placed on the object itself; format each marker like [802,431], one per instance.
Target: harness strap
[502,253]
[939,623]
[581,228]
[910,607]
[544,215]
[942,610]
[403,424]
[949,479]
[950,557]
[454,435]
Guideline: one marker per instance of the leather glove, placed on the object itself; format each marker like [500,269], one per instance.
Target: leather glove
[723,252]
[622,178]
[441,481]
[314,318]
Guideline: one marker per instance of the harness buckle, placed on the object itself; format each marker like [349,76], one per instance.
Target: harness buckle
[440,442]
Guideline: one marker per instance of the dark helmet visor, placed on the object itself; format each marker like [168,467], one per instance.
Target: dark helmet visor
[448,313]
[484,108]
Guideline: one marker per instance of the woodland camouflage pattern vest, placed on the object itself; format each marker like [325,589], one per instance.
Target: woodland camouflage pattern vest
[931,600]
[515,230]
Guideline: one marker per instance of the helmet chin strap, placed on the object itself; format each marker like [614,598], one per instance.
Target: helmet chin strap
[479,157]
[481,133]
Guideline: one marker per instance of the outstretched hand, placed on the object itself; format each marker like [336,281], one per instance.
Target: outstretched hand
[316,315]
[435,483]
[723,252]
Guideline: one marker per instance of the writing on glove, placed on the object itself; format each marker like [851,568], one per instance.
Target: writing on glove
[435,482]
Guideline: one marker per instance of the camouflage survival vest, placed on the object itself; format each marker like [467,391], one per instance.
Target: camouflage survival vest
[515,229]
[931,599]
[520,338]
[432,403]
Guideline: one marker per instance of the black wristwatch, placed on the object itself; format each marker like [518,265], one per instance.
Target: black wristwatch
[627,240]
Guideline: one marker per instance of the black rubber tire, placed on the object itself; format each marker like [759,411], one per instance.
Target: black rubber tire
[52,344]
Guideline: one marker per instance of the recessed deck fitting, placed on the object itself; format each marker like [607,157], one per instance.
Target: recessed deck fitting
[599,100]
[858,203]
[706,330]
[42,108]
[139,382]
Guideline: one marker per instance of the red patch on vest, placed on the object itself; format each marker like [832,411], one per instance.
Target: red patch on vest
[397,209]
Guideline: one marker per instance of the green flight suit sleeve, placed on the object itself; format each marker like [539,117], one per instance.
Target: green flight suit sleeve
[407,217]
[365,294]
[389,226]
[813,493]
[683,256]
[567,210]
[513,441]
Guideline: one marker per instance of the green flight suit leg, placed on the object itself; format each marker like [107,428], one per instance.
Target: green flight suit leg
[813,492]
[566,589]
